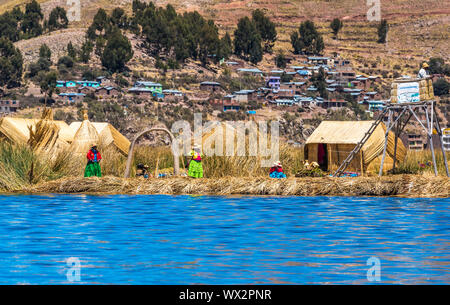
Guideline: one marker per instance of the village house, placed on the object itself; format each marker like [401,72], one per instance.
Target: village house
[107,92]
[172,94]
[251,71]
[66,86]
[373,95]
[147,89]
[276,72]
[297,68]
[88,83]
[152,86]
[144,92]
[340,63]
[273,82]
[230,105]
[356,94]
[373,80]
[244,96]
[104,81]
[285,93]
[303,74]
[298,87]
[210,86]
[232,63]
[373,105]
[227,103]
[332,103]
[284,102]
[8,106]
[86,90]
[446,138]
[83,86]
[345,78]
[320,60]
[71,97]
[363,82]
[414,141]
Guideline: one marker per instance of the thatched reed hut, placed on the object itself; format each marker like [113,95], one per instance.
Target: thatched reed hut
[105,134]
[332,142]
[85,136]
[16,130]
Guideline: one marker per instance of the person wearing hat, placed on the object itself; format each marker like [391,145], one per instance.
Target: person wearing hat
[423,72]
[93,164]
[142,170]
[195,169]
[276,171]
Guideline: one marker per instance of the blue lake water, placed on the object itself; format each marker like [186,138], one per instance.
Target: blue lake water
[158,239]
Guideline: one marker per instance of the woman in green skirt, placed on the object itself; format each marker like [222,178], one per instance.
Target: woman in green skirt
[93,165]
[195,165]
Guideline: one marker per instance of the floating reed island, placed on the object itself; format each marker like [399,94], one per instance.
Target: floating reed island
[398,185]
[48,156]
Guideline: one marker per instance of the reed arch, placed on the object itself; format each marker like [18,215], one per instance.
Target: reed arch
[176,161]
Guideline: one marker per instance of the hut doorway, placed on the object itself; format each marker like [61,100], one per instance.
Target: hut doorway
[176,160]
[322,156]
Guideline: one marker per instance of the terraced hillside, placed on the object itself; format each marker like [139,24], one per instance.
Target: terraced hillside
[419,29]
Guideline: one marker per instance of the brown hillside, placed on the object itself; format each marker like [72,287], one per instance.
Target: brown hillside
[419,28]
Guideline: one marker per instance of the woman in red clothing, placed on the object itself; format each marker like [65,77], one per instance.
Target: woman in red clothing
[93,166]
[276,171]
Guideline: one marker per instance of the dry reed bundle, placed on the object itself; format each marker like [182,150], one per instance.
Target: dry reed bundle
[401,185]
[45,134]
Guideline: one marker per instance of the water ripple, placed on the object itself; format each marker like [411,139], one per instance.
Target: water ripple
[158,239]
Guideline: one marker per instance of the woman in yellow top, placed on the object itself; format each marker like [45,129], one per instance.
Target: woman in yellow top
[195,165]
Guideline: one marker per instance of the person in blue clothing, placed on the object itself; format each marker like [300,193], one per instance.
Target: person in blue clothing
[276,171]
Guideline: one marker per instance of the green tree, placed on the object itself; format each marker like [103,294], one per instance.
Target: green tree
[318,79]
[11,64]
[336,25]
[226,47]
[101,20]
[43,63]
[100,43]
[67,61]
[100,24]
[57,19]
[45,52]
[17,14]
[48,84]
[280,60]
[266,29]
[209,42]
[119,18]
[31,23]
[307,40]
[247,41]
[9,27]
[86,50]
[438,66]
[71,51]
[117,51]
[441,87]
[382,30]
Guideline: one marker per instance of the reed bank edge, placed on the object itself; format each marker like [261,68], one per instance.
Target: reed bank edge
[227,294]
